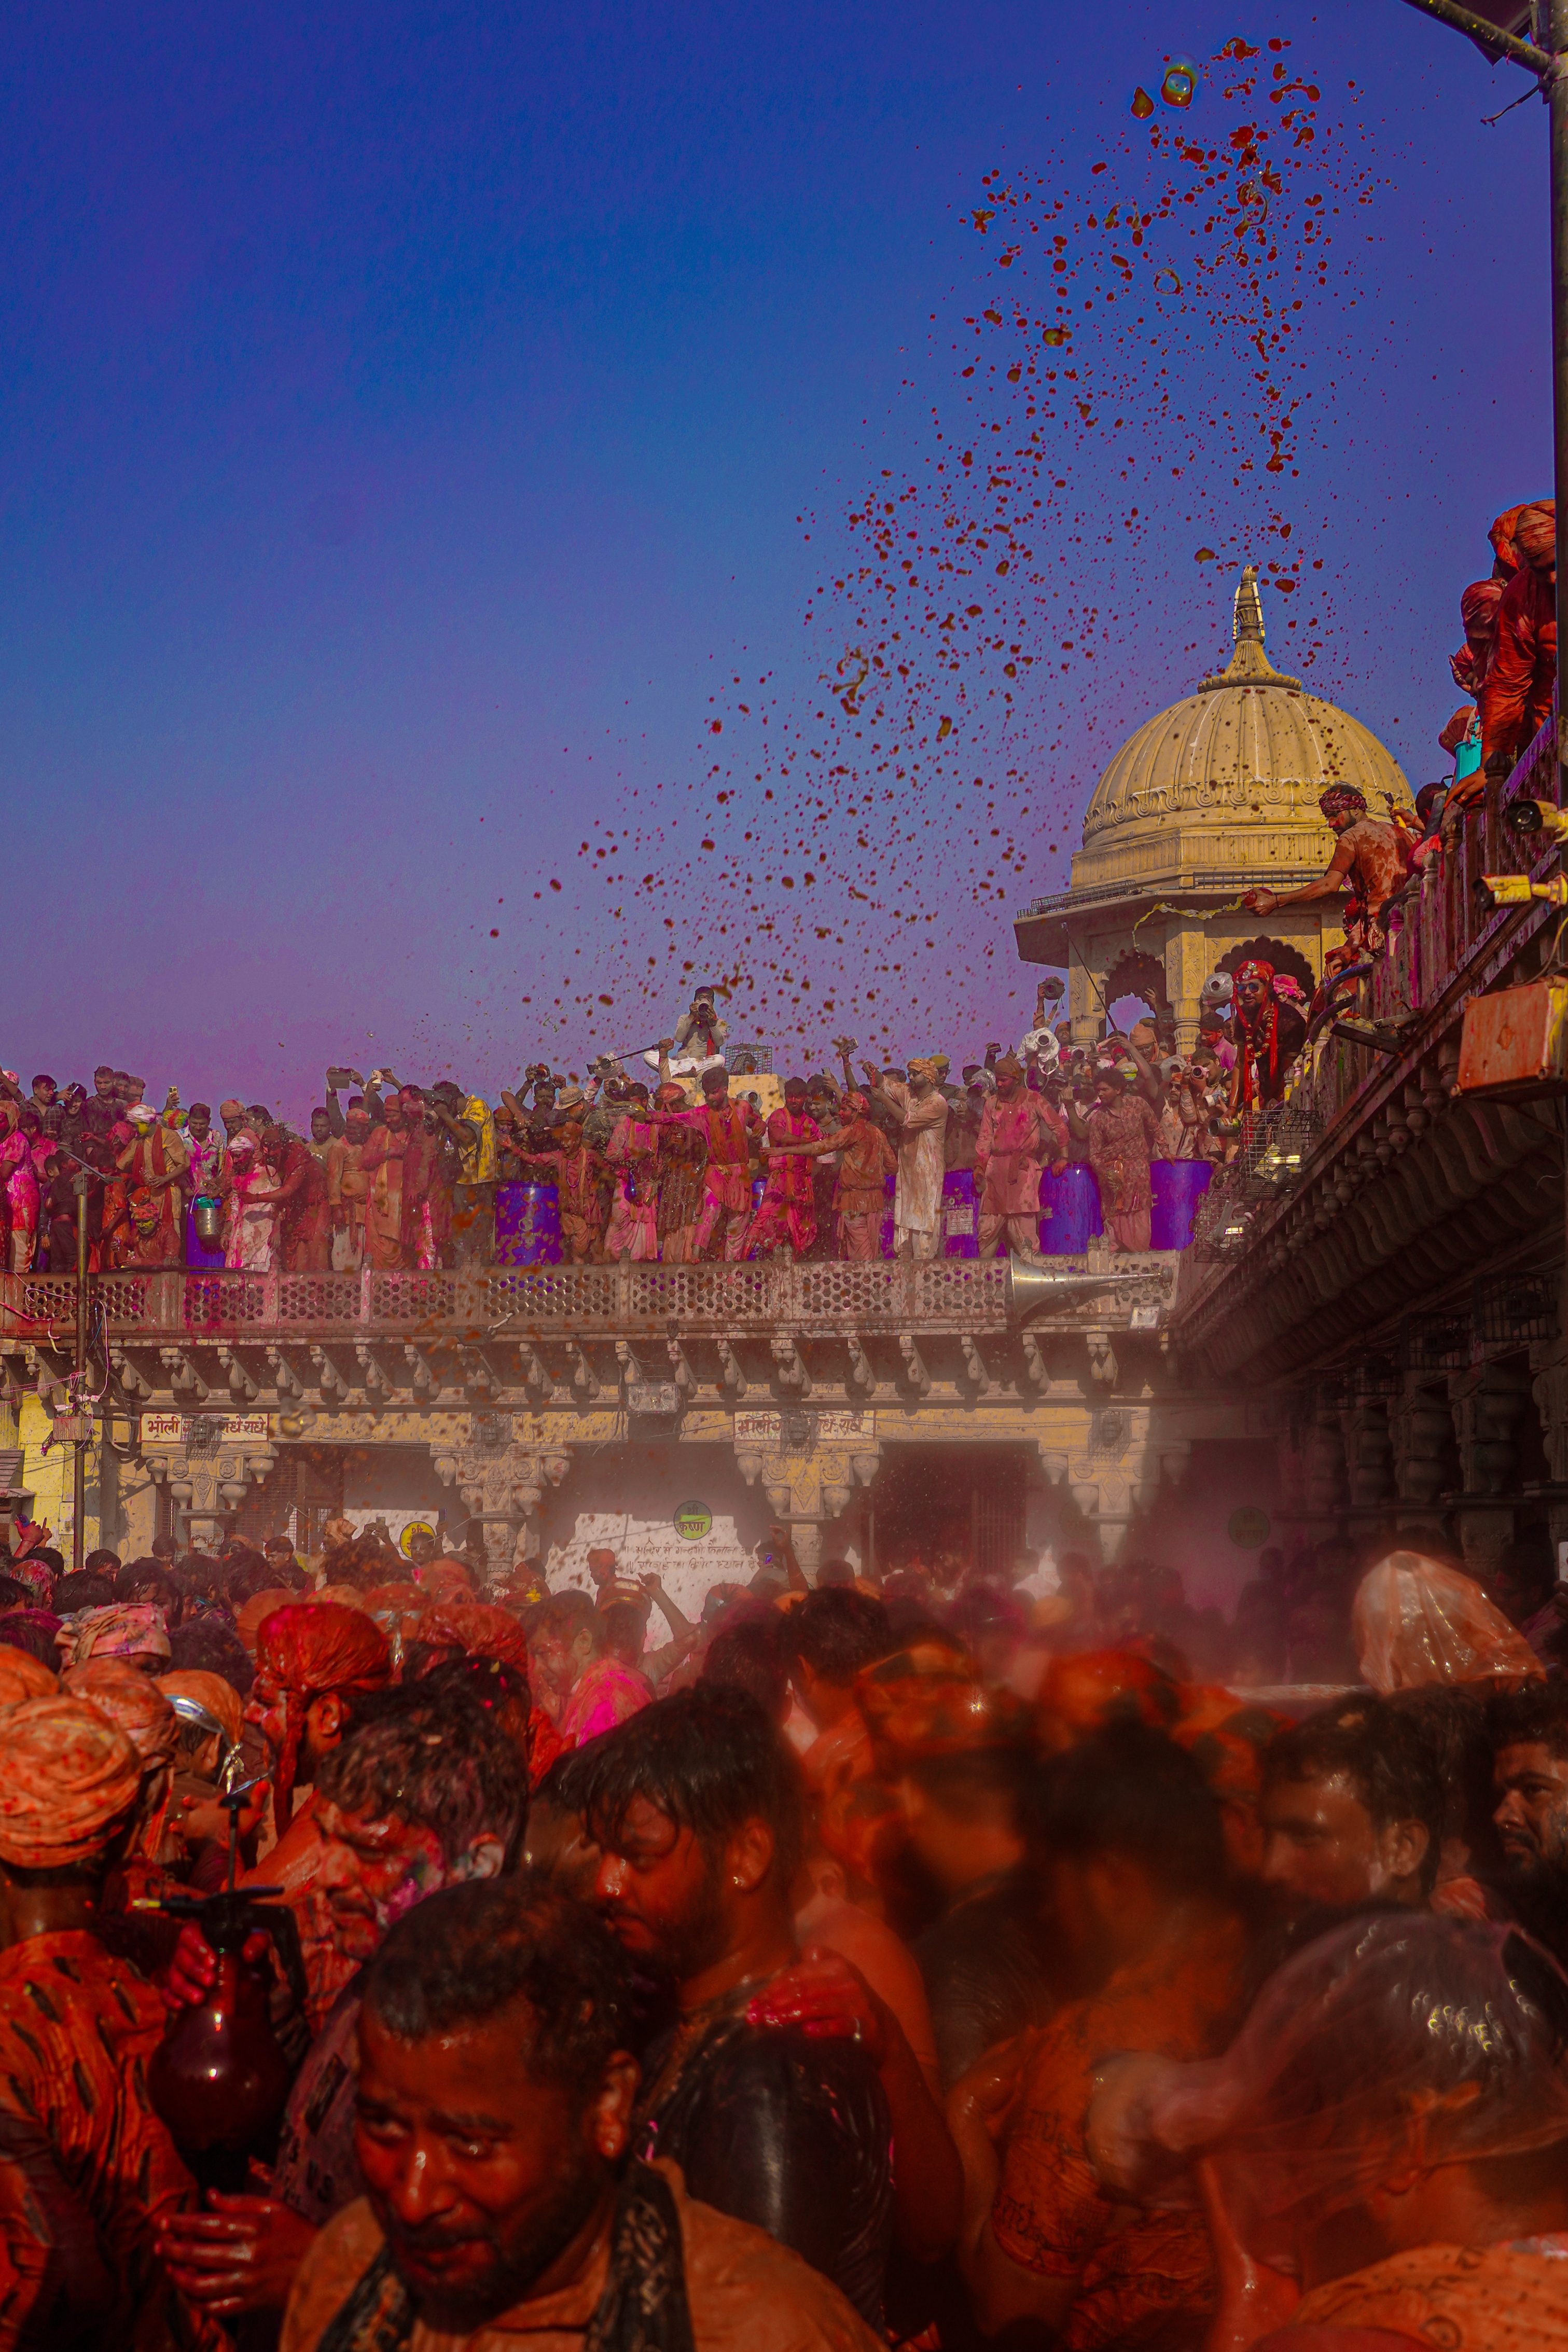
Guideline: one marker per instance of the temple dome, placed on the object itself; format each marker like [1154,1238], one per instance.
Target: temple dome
[1249,746]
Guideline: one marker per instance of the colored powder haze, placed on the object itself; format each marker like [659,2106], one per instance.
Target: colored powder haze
[505,520]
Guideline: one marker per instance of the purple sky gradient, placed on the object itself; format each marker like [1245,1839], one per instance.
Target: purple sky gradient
[414,418]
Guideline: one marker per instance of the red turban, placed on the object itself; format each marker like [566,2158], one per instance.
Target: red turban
[1340,796]
[1479,603]
[68,1777]
[1255,969]
[308,1648]
[1535,531]
[476,1627]
[132,1700]
[1501,538]
[928,1700]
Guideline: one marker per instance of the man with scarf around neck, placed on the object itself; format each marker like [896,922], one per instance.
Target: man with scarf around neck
[431,1793]
[920,1107]
[726,1128]
[1267,1035]
[1123,1133]
[786,2092]
[503,2204]
[1371,859]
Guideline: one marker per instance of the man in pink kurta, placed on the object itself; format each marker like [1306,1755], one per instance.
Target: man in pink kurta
[726,1127]
[634,1228]
[1123,1134]
[788,1209]
[1015,1138]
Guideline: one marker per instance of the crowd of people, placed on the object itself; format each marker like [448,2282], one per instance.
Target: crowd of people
[920,1961]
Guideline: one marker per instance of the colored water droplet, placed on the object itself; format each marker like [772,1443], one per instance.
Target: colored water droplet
[1056,335]
[1179,83]
[944,730]
[1204,555]
[1166,283]
[1142,104]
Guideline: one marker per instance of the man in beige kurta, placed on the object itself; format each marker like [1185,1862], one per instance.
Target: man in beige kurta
[921,1109]
[347,1186]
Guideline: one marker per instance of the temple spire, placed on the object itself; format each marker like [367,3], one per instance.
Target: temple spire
[1247,616]
[1249,665]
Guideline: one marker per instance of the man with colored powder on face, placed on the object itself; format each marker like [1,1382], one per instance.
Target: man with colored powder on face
[1267,1034]
[429,1793]
[576,1169]
[1371,858]
[633,1231]
[347,1188]
[1015,1142]
[787,1213]
[920,1108]
[1530,1737]
[299,1202]
[866,1159]
[1516,697]
[382,1163]
[725,1129]
[509,2006]
[1350,1813]
[154,1162]
[88,2171]
[582,1687]
[1122,1133]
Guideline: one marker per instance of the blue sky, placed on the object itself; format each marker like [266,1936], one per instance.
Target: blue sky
[422,424]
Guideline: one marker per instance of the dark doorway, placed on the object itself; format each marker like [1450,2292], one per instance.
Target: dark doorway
[939,1504]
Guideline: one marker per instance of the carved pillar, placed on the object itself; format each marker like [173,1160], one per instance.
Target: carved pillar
[807,1487]
[1368,1454]
[1325,1471]
[1421,1432]
[1488,1402]
[501,1484]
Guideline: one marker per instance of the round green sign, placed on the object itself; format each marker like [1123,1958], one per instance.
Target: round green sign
[1249,1527]
[693,1520]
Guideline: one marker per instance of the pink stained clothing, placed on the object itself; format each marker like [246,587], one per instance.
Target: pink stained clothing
[788,1209]
[633,1227]
[605,1695]
[1122,1139]
[22,1192]
[861,1237]
[1013,1142]
[1131,1230]
[727,1178]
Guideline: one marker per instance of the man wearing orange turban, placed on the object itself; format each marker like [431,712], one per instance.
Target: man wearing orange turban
[1517,695]
[89,2169]
[476,1629]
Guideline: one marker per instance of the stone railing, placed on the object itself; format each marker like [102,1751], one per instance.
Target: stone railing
[955,1295]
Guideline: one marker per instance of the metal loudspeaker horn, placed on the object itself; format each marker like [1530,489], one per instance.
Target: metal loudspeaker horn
[1032,1286]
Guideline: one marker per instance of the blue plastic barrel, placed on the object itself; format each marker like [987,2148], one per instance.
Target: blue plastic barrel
[197,1251]
[1178,1185]
[1070,1215]
[758,1186]
[960,1214]
[528,1224]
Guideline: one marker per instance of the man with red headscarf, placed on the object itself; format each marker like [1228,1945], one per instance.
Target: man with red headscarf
[1016,1136]
[787,1211]
[726,1128]
[1517,696]
[88,2171]
[453,1629]
[1371,858]
[1478,613]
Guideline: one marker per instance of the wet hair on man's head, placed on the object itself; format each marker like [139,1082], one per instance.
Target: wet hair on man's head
[516,1945]
[101,1563]
[1383,1756]
[561,1616]
[710,1760]
[435,1760]
[837,1632]
[1533,1716]
[81,1591]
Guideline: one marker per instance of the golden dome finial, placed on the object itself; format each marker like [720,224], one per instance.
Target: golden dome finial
[1247,619]
[1249,665]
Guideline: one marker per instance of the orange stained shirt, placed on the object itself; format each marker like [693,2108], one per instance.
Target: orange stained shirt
[1144,2278]
[745,2291]
[88,2168]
